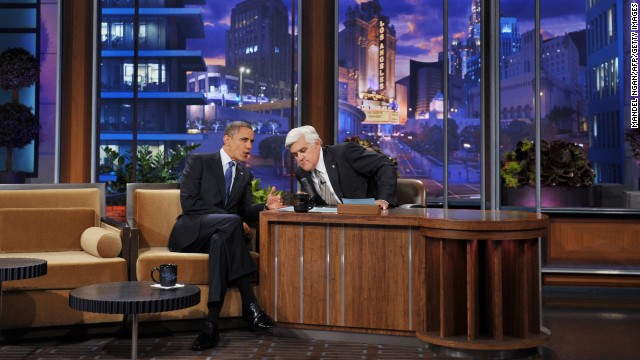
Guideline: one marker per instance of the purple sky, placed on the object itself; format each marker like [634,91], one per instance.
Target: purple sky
[418,23]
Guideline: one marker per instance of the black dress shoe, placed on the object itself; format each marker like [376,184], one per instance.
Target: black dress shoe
[208,337]
[257,318]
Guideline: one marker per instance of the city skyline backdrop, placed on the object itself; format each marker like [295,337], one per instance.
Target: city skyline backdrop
[418,24]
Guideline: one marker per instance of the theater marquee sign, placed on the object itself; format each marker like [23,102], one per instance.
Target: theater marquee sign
[381,56]
[379,109]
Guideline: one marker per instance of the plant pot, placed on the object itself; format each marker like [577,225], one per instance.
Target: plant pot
[13,177]
[117,212]
[551,196]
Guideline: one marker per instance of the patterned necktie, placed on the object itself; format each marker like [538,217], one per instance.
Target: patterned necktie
[325,192]
[228,179]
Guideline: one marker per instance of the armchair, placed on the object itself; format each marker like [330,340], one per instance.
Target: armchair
[411,193]
[152,210]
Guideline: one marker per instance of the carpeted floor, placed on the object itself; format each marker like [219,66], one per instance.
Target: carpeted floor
[585,324]
[235,344]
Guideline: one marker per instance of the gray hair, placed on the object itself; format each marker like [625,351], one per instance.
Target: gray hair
[309,133]
[234,126]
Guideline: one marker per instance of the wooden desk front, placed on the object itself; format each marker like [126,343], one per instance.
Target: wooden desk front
[449,277]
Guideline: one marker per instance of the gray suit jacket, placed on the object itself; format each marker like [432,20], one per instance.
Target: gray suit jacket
[357,173]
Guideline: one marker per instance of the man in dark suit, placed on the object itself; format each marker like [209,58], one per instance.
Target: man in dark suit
[217,203]
[345,170]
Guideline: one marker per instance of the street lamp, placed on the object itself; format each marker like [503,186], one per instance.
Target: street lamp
[242,71]
[466,147]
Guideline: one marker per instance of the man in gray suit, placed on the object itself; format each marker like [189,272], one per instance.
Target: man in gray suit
[345,170]
[217,203]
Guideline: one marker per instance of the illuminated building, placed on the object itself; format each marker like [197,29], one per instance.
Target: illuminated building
[606,82]
[368,49]
[163,61]
[259,39]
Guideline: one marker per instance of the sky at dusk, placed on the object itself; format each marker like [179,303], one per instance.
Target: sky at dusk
[418,24]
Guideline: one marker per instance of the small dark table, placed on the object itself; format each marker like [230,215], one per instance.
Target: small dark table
[132,298]
[19,269]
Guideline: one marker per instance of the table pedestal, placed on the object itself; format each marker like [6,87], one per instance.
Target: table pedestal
[19,269]
[483,290]
[132,298]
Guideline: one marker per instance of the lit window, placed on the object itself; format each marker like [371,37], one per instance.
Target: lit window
[609,23]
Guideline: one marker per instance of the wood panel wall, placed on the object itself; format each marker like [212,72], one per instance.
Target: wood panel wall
[317,90]
[76,91]
[592,244]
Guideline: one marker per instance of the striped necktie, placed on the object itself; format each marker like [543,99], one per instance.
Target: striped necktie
[228,179]
[324,190]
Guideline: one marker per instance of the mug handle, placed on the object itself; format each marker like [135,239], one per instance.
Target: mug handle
[311,204]
[153,272]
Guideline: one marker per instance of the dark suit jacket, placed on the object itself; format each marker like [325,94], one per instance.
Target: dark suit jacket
[356,173]
[202,191]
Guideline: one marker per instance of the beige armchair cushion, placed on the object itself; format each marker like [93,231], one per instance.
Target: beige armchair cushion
[101,242]
[52,198]
[192,268]
[155,213]
[69,270]
[44,229]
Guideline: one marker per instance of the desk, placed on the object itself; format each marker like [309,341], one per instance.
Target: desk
[19,269]
[430,273]
[132,298]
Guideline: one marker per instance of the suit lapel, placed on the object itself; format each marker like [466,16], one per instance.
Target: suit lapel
[238,183]
[332,171]
[218,173]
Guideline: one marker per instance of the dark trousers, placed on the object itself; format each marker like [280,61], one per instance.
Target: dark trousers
[222,237]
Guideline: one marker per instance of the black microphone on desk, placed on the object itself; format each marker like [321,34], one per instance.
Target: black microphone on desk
[310,192]
[308,188]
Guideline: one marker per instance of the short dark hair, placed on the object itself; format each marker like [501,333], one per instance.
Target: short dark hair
[234,126]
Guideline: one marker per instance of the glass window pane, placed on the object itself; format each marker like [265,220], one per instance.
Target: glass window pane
[18,18]
[582,104]
[198,68]
[390,83]
[517,93]
[23,27]
[464,99]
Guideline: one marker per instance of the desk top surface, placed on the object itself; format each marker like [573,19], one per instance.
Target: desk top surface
[132,297]
[459,219]
[21,268]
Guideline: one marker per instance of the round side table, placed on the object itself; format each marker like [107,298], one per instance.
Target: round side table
[19,269]
[132,298]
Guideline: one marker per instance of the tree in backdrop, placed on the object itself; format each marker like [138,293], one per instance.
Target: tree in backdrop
[18,125]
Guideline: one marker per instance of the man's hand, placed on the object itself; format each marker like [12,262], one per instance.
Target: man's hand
[384,205]
[274,201]
[247,229]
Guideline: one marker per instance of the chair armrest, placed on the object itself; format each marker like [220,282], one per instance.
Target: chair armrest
[129,237]
[133,243]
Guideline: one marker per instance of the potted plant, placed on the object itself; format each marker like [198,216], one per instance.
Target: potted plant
[18,125]
[150,167]
[633,137]
[564,166]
